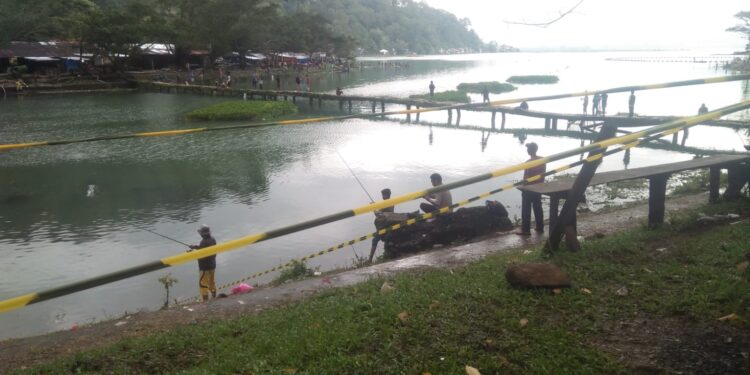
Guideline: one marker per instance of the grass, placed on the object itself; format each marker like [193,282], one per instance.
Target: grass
[493,87]
[467,316]
[243,110]
[445,96]
[534,79]
[694,182]
[297,271]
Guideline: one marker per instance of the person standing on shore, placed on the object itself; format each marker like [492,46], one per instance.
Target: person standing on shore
[260,83]
[432,89]
[529,199]
[631,104]
[207,265]
[278,81]
[604,103]
[386,194]
[298,81]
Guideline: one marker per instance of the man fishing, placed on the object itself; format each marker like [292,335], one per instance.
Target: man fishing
[438,200]
[207,265]
[386,193]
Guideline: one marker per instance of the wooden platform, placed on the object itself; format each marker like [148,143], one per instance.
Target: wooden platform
[737,165]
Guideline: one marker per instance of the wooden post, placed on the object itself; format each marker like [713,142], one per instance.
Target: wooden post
[418,114]
[382,106]
[294,99]
[554,123]
[458,117]
[320,102]
[408,115]
[714,178]
[311,101]
[373,106]
[554,209]
[735,182]
[450,116]
[546,123]
[341,104]
[493,119]
[657,194]
[674,138]
[567,217]
[350,106]
[502,124]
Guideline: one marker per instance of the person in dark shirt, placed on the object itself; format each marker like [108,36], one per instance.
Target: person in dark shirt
[432,89]
[631,103]
[485,95]
[529,199]
[207,265]
[386,193]
[604,103]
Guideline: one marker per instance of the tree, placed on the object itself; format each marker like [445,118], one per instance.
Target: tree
[41,20]
[743,28]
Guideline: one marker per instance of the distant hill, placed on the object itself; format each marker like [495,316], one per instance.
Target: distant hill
[400,26]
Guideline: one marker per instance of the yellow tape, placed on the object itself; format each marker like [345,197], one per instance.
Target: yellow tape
[207,251]
[21,145]
[17,302]
[563,168]
[170,132]
[389,202]
[305,120]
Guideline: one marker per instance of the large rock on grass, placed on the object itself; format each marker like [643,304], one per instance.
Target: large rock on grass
[537,275]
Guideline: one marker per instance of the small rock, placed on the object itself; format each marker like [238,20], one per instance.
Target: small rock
[730,317]
[523,322]
[472,371]
[742,267]
[386,288]
[622,292]
[317,273]
[661,249]
[121,323]
[537,275]
[585,291]
[733,216]
[403,316]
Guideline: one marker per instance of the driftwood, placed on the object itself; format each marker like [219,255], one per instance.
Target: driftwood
[461,225]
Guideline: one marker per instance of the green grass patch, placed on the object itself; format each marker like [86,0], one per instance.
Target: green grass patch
[297,271]
[534,80]
[445,96]
[493,87]
[243,110]
[468,315]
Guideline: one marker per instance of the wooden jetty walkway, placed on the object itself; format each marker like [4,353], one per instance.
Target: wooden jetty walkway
[705,59]
[375,103]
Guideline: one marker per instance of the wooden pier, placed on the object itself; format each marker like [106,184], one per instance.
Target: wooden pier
[378,105]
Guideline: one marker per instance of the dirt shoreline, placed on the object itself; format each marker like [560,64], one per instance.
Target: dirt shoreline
[24,352]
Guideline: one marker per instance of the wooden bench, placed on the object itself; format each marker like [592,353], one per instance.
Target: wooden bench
[738,167]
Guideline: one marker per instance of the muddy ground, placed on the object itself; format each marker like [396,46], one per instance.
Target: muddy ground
[644,350]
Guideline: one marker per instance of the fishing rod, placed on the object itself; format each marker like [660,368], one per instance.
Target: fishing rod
[169,238]
[355,176]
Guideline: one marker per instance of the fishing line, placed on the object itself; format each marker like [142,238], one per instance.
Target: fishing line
[354,175]
[169,238]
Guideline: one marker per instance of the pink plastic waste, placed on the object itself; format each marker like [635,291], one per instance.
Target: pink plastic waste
[242,288]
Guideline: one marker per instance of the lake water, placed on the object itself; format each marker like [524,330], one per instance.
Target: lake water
[75,211]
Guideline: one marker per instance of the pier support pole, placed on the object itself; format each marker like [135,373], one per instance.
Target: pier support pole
[350,106]
[546,123]
[320,103]
[341,105]
[450,116]
[554,124]
[458,117]
[657,192]
[382,106]
[493,119]
[714,177]
[502,123]
[674,138]
[373,106]
[408,115]
[311,101]
[294,99]
[418,114]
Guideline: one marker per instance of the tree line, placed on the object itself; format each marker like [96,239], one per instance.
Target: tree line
[339,27]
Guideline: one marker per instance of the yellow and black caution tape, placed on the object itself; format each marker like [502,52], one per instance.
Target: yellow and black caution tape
[667,128]
[4,147]
[444,210]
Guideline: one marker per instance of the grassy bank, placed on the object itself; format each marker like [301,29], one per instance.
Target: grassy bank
[537,80]
[243,110]
[493,87]
[445,96]
[676,280]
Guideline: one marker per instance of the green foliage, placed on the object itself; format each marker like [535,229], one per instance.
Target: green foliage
[697,182]
[445,96]
[468,315]
[537,80]
[744,27]
[297,271]
[243,110]
[493,87]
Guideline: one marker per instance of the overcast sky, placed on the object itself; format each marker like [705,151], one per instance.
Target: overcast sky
[605,24]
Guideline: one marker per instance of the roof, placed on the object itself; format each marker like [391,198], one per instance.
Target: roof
[37,49]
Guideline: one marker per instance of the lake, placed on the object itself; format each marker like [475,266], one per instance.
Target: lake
[75,211]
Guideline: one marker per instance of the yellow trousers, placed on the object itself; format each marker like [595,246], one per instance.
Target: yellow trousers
[207,283]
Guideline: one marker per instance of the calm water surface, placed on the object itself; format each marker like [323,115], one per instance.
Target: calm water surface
[72,212]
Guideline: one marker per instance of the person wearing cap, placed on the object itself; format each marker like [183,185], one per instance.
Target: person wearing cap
[530,199]
[438,200]
[386,194]
[207,265]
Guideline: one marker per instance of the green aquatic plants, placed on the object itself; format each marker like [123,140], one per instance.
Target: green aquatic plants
[493,87]
[243,110]
[445,96]
[534,80]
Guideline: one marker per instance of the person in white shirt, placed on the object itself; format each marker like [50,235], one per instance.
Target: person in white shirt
[438,200]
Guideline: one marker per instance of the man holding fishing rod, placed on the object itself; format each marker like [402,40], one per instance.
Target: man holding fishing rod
[207,265]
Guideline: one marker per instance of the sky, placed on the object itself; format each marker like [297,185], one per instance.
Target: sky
[604,24]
